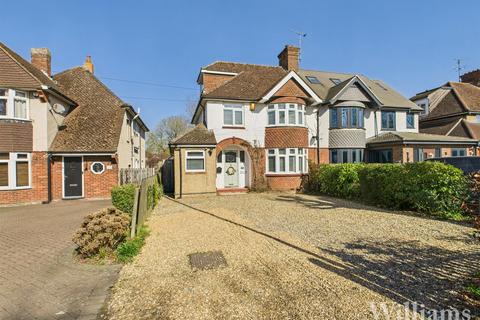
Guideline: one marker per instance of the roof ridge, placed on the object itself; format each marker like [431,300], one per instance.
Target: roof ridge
[242,63]
[325,71]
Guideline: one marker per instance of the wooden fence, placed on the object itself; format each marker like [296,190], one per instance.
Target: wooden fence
[141,209]
[135,175]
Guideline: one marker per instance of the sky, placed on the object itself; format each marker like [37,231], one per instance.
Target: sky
[158,47]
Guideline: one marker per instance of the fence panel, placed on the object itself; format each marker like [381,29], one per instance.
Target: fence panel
[141,209]
[135,175]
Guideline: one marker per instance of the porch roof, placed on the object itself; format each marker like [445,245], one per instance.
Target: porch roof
[421,138]
[199,135]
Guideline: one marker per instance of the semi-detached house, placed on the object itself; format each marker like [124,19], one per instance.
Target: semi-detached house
[64,136]
[262,125]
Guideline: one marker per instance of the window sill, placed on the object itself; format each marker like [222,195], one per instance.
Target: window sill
[271,174]
[286,126]
[16,119]
[195,172]
[14,189]
[385,129]
[338,128]
[233,127]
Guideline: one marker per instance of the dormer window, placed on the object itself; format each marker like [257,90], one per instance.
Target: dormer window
[13,104]
[286,114]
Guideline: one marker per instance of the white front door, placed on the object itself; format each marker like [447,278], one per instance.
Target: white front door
[231,169]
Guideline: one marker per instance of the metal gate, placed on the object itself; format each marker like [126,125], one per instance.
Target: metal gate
[168,176]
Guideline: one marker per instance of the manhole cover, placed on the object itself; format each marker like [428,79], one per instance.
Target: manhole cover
[207,260]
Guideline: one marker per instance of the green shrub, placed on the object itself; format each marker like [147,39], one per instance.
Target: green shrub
[428,187]
[153,194]
[123,197]
[336,180]
[101,232]
[130,248]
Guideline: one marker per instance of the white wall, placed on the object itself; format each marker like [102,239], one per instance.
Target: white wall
[255,122]
[400,122]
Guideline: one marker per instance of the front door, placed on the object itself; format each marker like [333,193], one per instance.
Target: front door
[231,169]
[72,177]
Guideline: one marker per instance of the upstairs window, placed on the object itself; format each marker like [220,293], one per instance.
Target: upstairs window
[13,104]
[286,114]
[233,115]
[410,120]
[346,117]
[388,120]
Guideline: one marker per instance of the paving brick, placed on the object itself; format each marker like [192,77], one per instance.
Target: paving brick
[38,277]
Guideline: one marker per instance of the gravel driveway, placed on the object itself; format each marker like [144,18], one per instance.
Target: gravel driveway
[292,256]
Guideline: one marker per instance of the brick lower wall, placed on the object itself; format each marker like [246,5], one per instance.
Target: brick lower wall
[284,182]
[96,186]
[39,188]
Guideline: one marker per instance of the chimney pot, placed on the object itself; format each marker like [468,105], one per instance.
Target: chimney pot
[88,65]
[42,59]
[288,58]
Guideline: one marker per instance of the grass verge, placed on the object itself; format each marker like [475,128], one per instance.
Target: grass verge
[131,247]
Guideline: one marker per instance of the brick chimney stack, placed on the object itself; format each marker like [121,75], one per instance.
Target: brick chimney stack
[472,77]
[42,59]
[288,58]
[88,65]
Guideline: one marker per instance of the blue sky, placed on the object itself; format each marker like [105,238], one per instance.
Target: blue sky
[411,45]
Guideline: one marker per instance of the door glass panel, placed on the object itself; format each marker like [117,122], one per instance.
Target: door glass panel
[230,157]
[219,157]
[242,156]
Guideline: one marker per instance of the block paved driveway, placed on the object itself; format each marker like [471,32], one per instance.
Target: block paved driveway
[38,277]
[292,256]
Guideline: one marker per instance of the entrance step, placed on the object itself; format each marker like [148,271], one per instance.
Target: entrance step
[231,191]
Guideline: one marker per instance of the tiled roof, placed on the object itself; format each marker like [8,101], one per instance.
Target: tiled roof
[468,94]
[199,135]
[440,126]
[95,124]
[473,128]
[412,137]
[19,73]
[249,85]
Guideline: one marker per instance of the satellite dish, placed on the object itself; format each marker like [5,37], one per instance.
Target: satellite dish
[59,108]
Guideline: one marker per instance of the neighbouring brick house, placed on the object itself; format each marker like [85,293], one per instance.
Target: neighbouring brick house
[62,136]
[452,109]
[265,123]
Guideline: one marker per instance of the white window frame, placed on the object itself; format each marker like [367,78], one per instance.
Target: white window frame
[11,97]
[276,108]
[188,157]
[94,163]
[300,154]
[12,170]
[234,108]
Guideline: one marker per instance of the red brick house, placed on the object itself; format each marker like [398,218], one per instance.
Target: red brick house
[262,125]
[64,136]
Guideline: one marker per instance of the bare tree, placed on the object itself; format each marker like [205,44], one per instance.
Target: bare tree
[167,130]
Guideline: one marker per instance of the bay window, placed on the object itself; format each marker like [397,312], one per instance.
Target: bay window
[287,161]
[346,155]
[15,170]
[195,161]
[350,117]
[233,115]
[286,114]
[13,104]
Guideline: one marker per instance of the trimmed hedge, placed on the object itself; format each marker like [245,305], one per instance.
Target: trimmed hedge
[123,197]
[429,187]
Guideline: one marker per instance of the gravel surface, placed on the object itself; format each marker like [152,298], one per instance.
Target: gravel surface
[292,256]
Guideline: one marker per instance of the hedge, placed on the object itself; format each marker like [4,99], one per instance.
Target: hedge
[428,187]
[123,196]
